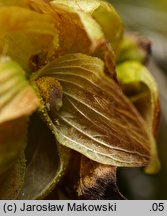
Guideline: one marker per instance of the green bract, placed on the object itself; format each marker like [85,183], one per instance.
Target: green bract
[145,97]
[58,58]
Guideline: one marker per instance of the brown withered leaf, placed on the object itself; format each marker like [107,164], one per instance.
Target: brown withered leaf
[97,181]
[46,161]
[96,118]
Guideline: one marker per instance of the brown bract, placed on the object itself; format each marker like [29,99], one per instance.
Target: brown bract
[96,119]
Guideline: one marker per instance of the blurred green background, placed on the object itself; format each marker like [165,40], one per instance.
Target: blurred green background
[148,18]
